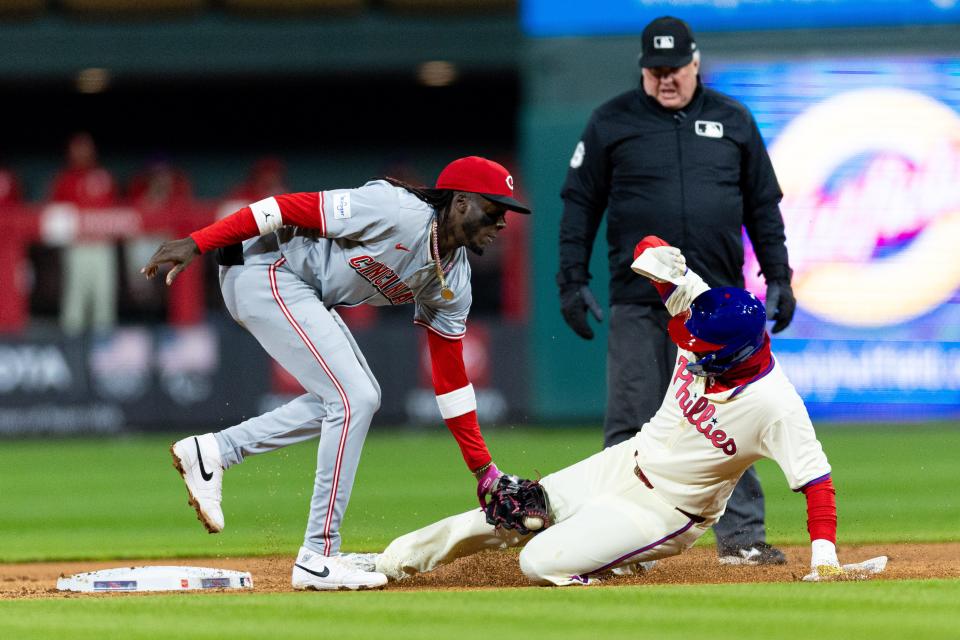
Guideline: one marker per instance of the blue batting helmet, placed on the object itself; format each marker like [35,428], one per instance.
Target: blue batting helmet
[723,326]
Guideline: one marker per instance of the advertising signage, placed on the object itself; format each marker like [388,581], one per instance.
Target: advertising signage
[556,18]
[867,153]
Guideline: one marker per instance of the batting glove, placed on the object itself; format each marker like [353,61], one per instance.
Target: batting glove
[661,264]
[487,477]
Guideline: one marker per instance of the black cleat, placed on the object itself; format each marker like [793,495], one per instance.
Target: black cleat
[754,554]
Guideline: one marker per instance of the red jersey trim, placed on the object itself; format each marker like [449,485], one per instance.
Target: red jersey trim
[448,336]
[752,380]
[323,215]
[824,478]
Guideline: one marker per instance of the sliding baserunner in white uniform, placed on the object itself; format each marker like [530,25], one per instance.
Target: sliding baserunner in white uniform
[302,255]
[728,405]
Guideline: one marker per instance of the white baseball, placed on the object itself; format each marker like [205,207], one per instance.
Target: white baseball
[533,524]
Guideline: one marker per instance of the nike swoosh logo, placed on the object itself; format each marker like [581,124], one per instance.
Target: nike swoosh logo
[401,247]
[203,472]
[319,574]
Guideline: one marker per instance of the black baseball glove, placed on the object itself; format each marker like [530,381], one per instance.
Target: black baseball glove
[781,303]
[575,301]
[518,504]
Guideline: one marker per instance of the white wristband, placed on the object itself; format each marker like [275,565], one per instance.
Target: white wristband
[458,402]
[267,214]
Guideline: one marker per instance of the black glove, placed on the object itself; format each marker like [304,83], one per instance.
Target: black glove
[575,299]
[518,504]
[781,304]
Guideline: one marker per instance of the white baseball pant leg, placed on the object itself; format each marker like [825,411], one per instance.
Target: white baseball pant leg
[287,317]
[604,517]
[443,542]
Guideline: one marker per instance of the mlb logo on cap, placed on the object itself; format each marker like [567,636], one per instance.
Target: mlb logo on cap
[667,42]
[663,42]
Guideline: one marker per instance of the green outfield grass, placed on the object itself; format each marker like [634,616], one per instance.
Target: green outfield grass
[875,610]
[121,498]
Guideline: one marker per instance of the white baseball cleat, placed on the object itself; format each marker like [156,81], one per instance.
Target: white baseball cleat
[324,573]
[197,458]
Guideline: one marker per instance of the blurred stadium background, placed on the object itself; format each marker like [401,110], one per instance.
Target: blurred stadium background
[195,107]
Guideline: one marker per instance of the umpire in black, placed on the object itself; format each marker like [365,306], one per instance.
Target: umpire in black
[674,159]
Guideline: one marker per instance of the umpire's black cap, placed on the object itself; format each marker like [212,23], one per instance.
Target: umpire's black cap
[667,42]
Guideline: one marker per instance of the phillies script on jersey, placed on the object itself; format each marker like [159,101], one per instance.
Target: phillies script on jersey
[383,278]
[702,406]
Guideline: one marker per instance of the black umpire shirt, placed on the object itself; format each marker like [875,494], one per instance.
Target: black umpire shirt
[694,177]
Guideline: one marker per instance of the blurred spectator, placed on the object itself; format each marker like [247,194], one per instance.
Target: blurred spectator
[89,298]
[10,192]
[83,182]
[159,187]
[267,177]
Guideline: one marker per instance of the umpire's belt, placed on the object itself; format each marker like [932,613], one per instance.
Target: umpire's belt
[637,471]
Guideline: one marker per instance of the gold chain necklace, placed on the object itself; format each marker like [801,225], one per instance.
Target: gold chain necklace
[445,292]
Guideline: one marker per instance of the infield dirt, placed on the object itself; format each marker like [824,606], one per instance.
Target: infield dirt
[492,570]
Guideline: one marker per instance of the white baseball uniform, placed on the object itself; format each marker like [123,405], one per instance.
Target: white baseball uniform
[652,496]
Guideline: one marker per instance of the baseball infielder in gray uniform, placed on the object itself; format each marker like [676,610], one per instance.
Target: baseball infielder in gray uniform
[304,254]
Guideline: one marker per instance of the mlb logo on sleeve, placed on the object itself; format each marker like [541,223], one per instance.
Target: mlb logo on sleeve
[341,206]
[709,129]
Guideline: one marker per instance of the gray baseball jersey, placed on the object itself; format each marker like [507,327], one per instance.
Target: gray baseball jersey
[373,248]
[367,246]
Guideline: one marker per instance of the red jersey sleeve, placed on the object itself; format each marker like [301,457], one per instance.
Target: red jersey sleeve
[259,218]
[456,399]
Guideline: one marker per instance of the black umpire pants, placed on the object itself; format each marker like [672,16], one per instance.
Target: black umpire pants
[640,359]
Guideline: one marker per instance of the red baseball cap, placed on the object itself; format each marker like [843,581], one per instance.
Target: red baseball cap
[474,174]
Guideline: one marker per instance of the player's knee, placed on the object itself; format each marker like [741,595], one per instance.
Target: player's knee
[534,566]
[364,398]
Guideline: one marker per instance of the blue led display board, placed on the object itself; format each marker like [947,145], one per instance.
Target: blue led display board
[550,18]
[867,152]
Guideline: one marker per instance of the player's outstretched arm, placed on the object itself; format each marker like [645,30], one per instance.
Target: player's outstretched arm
[180,253]
[666,268]
[251,221]
[458,408]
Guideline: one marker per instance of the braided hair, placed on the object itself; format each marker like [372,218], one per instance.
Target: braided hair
[439,199]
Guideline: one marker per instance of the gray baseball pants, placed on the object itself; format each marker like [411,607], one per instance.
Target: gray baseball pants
[640,358]
[288,318]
